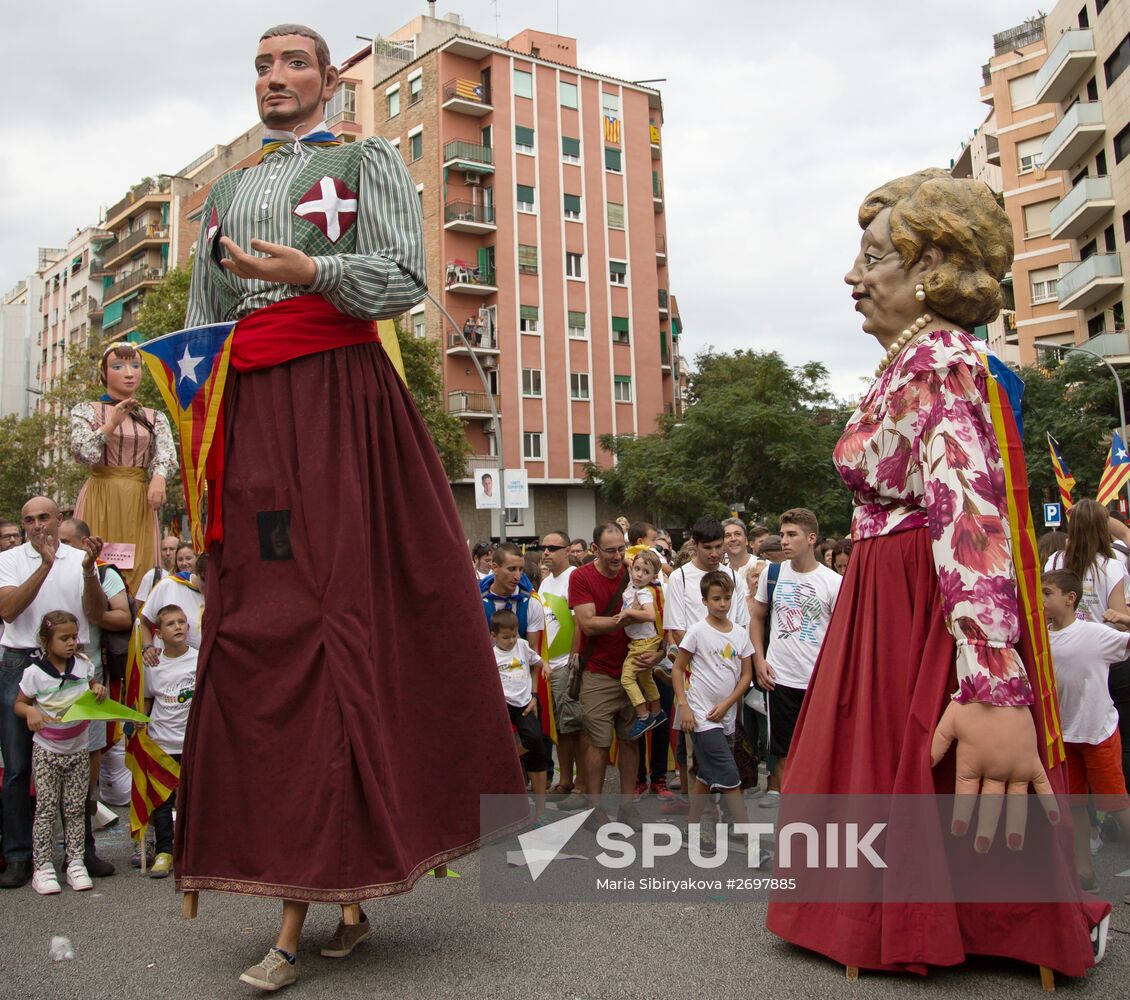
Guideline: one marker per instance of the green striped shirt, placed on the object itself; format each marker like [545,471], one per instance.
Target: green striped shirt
[384,277]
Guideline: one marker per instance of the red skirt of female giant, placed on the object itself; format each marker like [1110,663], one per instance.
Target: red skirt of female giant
[347,712]
[883,679]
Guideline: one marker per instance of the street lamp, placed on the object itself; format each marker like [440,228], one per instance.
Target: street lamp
[490,402]
[1051,345]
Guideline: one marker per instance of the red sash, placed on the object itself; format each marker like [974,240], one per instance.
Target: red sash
[273,336]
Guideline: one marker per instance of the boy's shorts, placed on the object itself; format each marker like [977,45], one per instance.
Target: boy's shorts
[784,710]
[1098,767]
[714,760]
[530,734]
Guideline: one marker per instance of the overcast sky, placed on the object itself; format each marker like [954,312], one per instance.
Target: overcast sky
[778,118]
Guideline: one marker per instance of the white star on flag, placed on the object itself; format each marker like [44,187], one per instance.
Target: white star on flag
[331,205]
[187,365]
[1122,454]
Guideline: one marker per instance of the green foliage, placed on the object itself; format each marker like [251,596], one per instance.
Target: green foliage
[755,431]
[22,474]
[165,306]
[1077,401]
[424,375]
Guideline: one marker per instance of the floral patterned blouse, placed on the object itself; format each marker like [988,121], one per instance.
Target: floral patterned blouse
[130,445]
[920,452]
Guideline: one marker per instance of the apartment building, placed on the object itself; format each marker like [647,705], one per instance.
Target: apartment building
[1085,78]
[15,346]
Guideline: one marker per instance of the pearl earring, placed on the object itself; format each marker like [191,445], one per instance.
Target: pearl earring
[920,292]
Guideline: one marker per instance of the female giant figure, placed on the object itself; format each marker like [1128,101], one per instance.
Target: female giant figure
[930,643]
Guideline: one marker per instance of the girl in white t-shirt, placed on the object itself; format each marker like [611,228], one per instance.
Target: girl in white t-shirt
[60,758]
[1090,557]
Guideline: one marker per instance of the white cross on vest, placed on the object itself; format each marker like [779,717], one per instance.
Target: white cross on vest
[333,205]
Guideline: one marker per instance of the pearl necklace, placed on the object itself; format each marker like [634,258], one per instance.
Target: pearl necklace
[902,340]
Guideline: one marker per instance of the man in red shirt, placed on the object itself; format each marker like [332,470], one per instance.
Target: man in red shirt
[595,593]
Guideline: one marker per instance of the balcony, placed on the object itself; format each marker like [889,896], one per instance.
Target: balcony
[470,405]
[112,254]
[484,345]
[656,193]
[93,309]
[663,310]
[145,189]
[992,150]
[1082,126]
[470,157]
[660,248]
[1115,344]
[1082,207]
[142,276]
[1089,281]
[469,280]
[98,268]
[1068,63]
[476,462]
[467,97]
[464,217]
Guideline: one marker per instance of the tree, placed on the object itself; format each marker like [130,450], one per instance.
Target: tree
[164,307]
[755,431]
[423,373]
[22,474]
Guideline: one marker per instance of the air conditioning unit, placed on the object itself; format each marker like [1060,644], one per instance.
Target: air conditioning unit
[489,361]
[473,179]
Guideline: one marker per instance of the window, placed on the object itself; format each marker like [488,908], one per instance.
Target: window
[567,93]
[574,265]
[618,272]
[1126,226]
[419,331]
[1108,240]
[531,382]
[1022,90]
[1084,21]
[1029,154]
[579,385]
[393,99]
[513,516]
[615,215]
[1092,89]
[612,159]
[1122,145]
[523,83]
[1100,163]
[1100,5]
[415,90]
[343,104]
[582,448]
[525,198]
[622,388]
[1118,313]
[415,147]
[620,330]
[570,149]
[528,321]
[1037,219]
[577,326]
[572,206]
[523,140]
[1043,284]
[610,105]
[531,445]
[527,259]
[1118,61]
[1096,325]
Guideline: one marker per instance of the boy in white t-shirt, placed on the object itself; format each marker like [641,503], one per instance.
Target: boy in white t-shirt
[641,608]
[169,687]
[803,599]
[1082,652]
[519,668]
[712,673]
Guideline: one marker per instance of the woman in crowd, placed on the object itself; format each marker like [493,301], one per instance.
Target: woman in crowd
[1088,554]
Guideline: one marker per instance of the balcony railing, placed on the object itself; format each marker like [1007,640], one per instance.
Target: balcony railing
[479,341]
[123,247]
[132,280]
[1083,206]
[1082,124]
[461,276]
[462,211]
[1072,56]
[463,403]
[469,96]
[341,116]
[663,300]
[144,189]
[1115,344]
[476,462]
[1089,281]
[660,245]
[1023,34]
[469,152]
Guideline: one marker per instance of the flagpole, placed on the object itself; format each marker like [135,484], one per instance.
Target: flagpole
[1051,345]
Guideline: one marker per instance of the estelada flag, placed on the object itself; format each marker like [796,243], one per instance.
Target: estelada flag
[190,368]
[1115,472]
[1063,477]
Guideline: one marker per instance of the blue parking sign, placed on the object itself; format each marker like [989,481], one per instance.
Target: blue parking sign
[1053,515]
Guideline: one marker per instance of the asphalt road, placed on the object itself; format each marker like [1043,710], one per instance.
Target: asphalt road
[441,941]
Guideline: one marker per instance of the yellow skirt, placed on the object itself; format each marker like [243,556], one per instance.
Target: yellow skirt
[113,501]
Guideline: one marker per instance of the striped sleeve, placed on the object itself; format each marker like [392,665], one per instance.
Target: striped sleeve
[204,304]
[386,276]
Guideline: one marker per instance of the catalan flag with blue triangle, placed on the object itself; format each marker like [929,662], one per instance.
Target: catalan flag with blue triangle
[1063,477]
[190,368]
[1115,472]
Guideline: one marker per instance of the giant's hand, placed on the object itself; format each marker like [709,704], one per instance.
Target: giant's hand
[156,493]
[997,756]
[282,264]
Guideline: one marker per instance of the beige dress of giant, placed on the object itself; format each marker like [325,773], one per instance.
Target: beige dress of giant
[114,500]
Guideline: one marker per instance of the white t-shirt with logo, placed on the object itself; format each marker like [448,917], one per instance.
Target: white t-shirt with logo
[168,591]
[1099,582]
[682,604]
[555,586]
[716,665]
[798,620]
[1082,654]
[61,591]
[645,598]
[514,669]
[53,697]
[171,685]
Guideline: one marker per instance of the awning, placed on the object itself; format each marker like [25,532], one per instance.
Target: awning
[112,314]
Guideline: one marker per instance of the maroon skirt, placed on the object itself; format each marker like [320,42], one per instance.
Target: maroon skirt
[347,713]
[884,676]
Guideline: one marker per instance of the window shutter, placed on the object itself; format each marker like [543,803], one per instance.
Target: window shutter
[570,146]
[523,136]
[525,193]
[484,262]
[617,267]
[529,313]
[577,320]
[619,324]
[573,203]
[611,158]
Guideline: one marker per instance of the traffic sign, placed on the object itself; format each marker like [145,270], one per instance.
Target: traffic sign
[1053,515]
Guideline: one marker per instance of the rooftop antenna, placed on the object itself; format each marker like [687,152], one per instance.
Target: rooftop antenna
[497,18]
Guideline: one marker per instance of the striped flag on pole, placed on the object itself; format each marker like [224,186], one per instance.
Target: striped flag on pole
[1115,472]
[1063,477]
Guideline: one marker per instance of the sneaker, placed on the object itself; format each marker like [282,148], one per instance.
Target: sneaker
[162,865]
[45,881]
[273,973]
[77,877]
[1098,938]
[346,937]
[631,816]
[96,867]
[640,726]
[661,791]
[770,800]
[540,821]
[1096,842]
[707,842]
[658,718]
[678,806]
[595,820]
[574,803]
[135,861]
[641,790]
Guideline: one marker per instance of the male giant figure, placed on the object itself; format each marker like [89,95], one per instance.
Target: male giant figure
[307,769]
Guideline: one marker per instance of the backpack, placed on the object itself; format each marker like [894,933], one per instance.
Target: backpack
[115,643]
[518,603]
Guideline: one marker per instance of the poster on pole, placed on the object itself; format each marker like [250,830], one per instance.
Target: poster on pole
[487,489]
[516,488]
